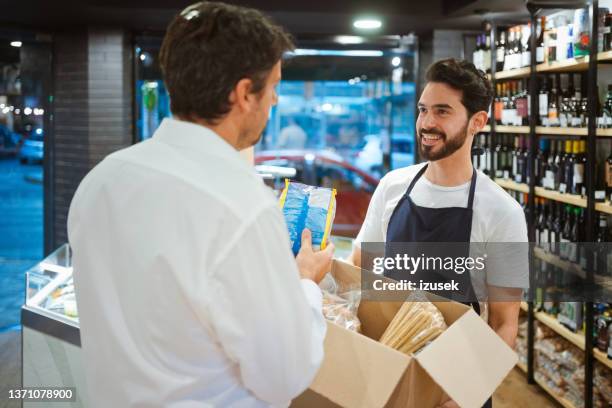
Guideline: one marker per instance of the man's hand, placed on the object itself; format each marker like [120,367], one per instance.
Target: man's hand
[313,265]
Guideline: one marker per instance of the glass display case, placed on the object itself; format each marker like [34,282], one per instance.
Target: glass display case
[51,338]
[50,288]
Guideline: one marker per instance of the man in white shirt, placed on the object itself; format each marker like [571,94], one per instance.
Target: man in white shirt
[446,200]
[187,290]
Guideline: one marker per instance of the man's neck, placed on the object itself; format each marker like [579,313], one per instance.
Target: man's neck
[224,129]
[451,171]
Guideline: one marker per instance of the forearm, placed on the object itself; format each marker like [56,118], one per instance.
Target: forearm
[507,331]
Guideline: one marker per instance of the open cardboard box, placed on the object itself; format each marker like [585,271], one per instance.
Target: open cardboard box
[468,361]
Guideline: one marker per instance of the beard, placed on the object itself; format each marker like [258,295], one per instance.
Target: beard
[449,144]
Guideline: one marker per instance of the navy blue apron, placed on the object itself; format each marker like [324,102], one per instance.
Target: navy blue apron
[412,223]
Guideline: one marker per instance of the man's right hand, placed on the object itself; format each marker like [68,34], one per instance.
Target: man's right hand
[313,265]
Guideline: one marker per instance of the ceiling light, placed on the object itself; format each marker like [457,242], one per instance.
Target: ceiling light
[367,24]
[16,44]
[396,61]
[338,53]
[349,39]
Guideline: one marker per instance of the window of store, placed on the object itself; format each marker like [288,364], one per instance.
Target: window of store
[24,93]
[345,116]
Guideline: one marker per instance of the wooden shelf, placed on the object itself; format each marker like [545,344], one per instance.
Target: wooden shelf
[512,129]
[560,131]
[604,207]
[602,357]
[569,65]
[513,73]
[604,56]
[563,198]
[512,185]
[572,199]
[550,321]
[604,132]
[548,131]
[570,131]
[565,403]
[559,263]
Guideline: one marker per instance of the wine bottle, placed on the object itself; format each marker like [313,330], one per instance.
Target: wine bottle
[608,172]
[568,169]
[579,147]
[540,41]
[543,103]
[553,105]
[555,227]
[566,233]
[500,51]
[517,156]
[541,162]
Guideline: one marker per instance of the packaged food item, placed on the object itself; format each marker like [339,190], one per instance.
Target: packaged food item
[340,303]
[308,207]
[416,323]
[570,315]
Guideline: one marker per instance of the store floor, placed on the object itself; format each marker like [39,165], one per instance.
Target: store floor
[21,233]
[10,366]
[514,392]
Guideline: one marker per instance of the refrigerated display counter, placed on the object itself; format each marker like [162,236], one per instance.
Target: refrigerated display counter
[51,344]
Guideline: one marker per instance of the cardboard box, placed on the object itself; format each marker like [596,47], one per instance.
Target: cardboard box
[468,361]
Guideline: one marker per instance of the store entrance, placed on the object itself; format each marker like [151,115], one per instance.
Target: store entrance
[25,70]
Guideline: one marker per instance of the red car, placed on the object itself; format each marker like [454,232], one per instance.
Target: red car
[354,187]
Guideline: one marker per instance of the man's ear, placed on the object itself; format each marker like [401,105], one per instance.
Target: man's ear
[479,120]
[241,96]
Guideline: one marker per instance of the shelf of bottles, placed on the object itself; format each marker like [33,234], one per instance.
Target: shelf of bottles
[559,169]
[562,75]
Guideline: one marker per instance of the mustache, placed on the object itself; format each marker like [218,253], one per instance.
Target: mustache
[432,131]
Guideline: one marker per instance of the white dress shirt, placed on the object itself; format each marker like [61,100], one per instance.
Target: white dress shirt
[188,293]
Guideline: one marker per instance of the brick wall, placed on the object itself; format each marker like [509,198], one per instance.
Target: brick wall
[92,110]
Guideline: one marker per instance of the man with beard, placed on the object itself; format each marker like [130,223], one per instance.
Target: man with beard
[187,289]
[445,199]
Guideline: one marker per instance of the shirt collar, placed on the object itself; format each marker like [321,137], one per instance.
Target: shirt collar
[194,137]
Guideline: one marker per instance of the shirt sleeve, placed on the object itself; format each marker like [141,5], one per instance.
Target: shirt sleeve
[372,228]
[267,319]
[508,252]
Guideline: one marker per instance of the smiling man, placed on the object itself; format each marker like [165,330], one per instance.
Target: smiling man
[445,199]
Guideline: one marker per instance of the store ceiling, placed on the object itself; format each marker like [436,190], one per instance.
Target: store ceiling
[299,16]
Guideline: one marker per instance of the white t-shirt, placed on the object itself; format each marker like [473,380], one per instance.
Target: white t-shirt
[497,217]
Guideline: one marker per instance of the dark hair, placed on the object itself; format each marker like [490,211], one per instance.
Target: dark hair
[209,47]
[463,76]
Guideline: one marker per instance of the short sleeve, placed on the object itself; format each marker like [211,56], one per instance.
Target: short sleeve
[508,252]
[372,228]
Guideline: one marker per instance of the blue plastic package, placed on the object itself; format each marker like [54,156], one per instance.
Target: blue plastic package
[308,207]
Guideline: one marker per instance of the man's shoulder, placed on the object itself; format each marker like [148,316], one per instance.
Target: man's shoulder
[401,176]
[157,170]
[492,197]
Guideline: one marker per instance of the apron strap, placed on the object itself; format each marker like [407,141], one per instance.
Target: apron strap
[472,190]
[415,179]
